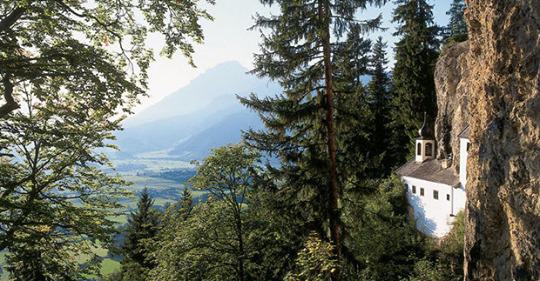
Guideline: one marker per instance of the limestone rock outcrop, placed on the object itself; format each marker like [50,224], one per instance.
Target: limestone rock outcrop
[452,101]
[495,77]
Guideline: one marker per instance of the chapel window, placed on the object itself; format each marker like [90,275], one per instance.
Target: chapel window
[429,149]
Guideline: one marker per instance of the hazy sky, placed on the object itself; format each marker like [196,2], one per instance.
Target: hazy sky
[228,38]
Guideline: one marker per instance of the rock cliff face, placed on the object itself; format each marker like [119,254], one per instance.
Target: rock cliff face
[496,78]
[452,101]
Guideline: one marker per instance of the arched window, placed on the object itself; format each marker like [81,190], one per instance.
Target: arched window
[429,149]
[419,149]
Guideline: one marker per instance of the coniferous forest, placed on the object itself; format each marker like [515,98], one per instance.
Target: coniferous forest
[312,194]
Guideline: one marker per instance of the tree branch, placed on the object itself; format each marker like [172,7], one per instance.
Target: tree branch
[10,104]
[11,19]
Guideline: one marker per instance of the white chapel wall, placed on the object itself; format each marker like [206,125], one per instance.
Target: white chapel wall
[433,215]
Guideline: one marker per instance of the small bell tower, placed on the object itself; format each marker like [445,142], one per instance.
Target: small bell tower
[425,143]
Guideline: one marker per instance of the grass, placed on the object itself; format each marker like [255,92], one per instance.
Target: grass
[109,266]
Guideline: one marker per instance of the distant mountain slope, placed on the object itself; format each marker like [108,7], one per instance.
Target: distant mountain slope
[190,118]
[163,134]
[225,79]
[226,131]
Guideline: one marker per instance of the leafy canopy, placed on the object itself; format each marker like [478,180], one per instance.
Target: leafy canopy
[96,47]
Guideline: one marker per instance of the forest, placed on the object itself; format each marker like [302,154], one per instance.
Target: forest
[311,196]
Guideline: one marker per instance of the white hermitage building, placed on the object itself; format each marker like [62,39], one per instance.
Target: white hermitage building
[434,191]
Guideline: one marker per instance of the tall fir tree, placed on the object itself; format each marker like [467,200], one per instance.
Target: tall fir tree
[457,27]
[353,119]
[413,76]
[300,53]
[142,226]
[379,99]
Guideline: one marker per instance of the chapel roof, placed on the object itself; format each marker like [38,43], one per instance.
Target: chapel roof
[429,170]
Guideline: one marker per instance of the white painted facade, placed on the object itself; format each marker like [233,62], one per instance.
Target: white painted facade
[435,204]
[433,216]
[464,144]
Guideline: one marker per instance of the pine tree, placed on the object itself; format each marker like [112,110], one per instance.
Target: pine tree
[413,80]
[300,53]
[142,225]
[379,99]
[457,27]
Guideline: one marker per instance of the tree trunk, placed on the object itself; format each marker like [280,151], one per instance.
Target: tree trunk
[11,19]
[334,193]
[502,238]
[10,104]
[239,235]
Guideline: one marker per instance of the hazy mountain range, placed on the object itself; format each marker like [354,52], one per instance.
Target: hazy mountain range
[205,114]
[202,115]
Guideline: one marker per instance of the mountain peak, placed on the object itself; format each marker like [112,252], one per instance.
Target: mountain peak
[227,72]
[228,65]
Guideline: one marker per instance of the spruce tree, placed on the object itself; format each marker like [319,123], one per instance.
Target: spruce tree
[300,53]
[413,80]
[142,225]
[185,204]
[379,99]
[457,27]
[353,117]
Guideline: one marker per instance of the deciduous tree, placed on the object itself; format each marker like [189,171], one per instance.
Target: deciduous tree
[98,46]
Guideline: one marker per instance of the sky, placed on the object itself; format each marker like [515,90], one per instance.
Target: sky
[227,38]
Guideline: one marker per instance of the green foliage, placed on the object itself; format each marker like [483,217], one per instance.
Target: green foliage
[210,242]
[413,76]
[55,198]
[203,247]
[379,99]
[316,261]
[443,260]
[142,225]
[33,261]
[425,270]
[313,50]
[453,242]
[384,243]
[457,27]
[130,271]
[69,70]
[451,248]
[90,44]
[274,233]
